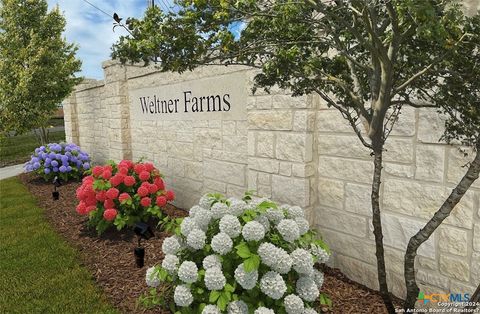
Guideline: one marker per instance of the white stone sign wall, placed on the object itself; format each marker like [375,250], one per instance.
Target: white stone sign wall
[212,98]
[294,150]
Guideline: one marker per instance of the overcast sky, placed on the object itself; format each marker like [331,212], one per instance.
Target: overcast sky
[92,31]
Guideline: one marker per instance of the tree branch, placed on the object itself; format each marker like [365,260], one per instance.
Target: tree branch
[440,215]
[413,77]
[419,104]
[424,70]
[347,115]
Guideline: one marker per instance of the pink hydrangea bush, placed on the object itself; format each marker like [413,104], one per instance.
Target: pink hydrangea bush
[122,194]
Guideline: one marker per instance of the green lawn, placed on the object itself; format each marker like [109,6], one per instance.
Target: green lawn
[39,272]
[56,122]
[17,149]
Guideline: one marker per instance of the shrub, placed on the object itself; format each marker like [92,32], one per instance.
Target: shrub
[241,256]
[67,161]
[122,194]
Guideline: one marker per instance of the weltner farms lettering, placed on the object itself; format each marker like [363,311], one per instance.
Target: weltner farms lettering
[188,103]
[217,97]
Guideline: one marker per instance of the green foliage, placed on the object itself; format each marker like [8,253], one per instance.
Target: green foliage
[171,225]
[37,64]
[459,92]
[37,265]
[155,298]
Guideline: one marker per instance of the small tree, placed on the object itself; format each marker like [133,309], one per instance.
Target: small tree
[373,56]
[37,65]
[458,95]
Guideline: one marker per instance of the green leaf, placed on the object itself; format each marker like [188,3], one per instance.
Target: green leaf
[323,245]
[223,300]
[266,205]
[162,274]
[325,300]
[252,263]
[228,287]
[207,248]
[243,251]
[214,295]
[178,231]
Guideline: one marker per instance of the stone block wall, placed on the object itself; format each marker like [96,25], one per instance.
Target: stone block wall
[296,150]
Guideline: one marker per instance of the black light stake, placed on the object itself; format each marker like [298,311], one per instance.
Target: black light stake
[56,183]
[139,253]
[143,231]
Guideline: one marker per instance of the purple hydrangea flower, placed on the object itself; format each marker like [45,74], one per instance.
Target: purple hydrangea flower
[53,158]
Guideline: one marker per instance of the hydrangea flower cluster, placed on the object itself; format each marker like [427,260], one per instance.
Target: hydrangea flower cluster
[67,161]
[226,247]
[121,194]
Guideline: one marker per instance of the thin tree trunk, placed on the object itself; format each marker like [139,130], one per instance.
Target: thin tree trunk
[44,135]
[425,233]
[377,228]
[474,299]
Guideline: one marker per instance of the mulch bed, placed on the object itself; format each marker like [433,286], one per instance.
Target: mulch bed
[110,257]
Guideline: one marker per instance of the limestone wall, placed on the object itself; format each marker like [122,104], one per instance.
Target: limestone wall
[295,150]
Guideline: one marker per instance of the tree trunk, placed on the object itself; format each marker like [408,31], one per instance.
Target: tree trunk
[474,299]
[377,227]
[42,135]
[425,233]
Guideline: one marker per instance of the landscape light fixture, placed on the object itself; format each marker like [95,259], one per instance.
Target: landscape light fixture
[143,231]
[56,183]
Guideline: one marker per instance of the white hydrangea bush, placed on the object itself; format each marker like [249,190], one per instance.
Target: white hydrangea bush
[242,256]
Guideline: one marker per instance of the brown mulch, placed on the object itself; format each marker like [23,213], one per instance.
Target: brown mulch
[110,257]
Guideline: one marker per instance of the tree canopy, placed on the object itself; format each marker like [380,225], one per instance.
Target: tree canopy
[458,93]
[37,65]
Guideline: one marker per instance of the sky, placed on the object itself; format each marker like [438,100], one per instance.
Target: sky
[92,30]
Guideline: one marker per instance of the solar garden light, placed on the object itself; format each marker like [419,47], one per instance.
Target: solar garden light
[143,231]
[56,183]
